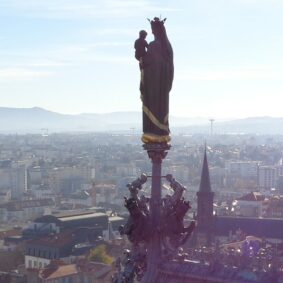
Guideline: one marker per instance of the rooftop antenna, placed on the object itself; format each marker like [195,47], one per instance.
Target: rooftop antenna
[211,125]
[44,132]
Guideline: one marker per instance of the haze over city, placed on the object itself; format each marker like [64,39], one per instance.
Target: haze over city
[77,56]
[108,173]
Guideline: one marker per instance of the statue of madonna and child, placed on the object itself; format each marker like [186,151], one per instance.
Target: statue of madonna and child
[157,71]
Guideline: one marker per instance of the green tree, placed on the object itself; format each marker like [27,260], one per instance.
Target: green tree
[100,254]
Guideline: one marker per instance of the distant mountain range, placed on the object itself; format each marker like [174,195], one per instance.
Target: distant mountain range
[33,120]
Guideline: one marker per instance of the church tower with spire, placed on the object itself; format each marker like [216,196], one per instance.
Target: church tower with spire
[205,206]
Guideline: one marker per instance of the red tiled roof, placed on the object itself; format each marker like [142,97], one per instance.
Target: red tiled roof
[56,240]
[59,272]
[20,205]
[99,269]
[253,196]
[9,233]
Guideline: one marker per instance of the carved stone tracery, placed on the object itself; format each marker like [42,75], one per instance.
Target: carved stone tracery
[143,224]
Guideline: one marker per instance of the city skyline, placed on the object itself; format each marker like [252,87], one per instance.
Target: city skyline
[77,56]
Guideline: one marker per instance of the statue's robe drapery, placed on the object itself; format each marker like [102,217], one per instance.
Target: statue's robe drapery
[156,82]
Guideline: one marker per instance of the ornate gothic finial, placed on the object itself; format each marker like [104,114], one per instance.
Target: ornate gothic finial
[205,178]
[137,184]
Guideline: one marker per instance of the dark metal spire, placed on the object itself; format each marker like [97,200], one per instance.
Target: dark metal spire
[205,179]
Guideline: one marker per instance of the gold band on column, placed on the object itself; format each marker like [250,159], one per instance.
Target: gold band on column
[151,138]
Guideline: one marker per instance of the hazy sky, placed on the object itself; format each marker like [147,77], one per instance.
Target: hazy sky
[74,56]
